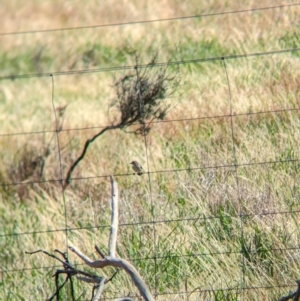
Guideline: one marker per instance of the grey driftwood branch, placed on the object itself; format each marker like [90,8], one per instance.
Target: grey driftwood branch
[112,260]
[99,290]
[295,295]
[112,244]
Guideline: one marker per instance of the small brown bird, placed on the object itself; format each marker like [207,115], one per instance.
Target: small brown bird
[137,167]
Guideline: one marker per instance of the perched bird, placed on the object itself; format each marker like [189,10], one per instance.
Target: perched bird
[137,167]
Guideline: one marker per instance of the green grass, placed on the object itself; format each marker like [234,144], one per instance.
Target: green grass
[220,231]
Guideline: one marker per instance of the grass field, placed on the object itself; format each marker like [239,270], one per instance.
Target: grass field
[217,218]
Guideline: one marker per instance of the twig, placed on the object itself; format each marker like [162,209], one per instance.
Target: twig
[296,298]
[58,288]
[70,271]
[65,264]
[99,252]
[100,290]
[87,143]
[295,295]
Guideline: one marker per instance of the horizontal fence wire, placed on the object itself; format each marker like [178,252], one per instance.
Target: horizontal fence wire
[144,66]
[145,223]
[234,166]
[242,11]
[133,259]
[227,166]
[100,127]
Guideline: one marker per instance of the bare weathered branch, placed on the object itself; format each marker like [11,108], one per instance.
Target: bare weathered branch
[114,218]
[69,271]
[100,290]
[118,263]
[87,143]
[295,295]
[94,280]
[65,264]
[99,252]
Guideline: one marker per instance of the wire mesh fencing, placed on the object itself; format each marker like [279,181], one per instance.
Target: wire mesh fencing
[214,215]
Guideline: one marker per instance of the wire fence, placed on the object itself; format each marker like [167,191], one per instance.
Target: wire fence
[238,221]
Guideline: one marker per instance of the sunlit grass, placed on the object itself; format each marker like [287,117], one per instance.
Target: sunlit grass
[219,215]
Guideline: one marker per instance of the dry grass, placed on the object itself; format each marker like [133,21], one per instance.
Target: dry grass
[225,228]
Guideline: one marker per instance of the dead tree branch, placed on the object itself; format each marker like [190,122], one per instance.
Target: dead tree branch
[86,145]
[111,260]
[139,100]
[114,218]
[100,290]
[295,295]
[70,271]
[118,263]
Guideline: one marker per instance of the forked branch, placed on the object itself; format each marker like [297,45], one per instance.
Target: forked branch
[111,260]
[118,263]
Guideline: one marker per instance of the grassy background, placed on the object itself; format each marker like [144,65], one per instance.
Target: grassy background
[220,232]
